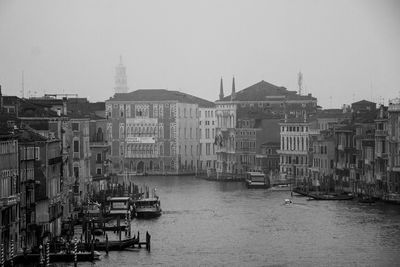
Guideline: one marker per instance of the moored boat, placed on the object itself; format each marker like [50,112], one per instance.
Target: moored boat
[118,206]
[147,207]
[256,180]
[330,196]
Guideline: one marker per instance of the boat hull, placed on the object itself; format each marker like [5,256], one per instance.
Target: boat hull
[253,185]
[148,213]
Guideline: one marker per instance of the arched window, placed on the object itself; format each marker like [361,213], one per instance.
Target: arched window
[99,135]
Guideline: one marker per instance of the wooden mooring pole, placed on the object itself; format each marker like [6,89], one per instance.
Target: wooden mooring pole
[106,244]
[76,253]
[148,237]
[2,260]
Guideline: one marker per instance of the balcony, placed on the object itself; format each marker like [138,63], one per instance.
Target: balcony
[314,169]
[103,144]
[381,133]
[394,168]
[9,201]
[380,154]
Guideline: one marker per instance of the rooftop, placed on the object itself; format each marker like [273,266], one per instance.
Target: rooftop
[263,91]
[161,95]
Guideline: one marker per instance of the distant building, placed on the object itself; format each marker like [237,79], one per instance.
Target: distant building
[363,106]
[121,84]
[249,118]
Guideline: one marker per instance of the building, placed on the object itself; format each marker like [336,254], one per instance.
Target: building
[78,149]
[295,134]
[393,138]
[381,151]
[154,131]
[206,132]
[99,150]
[322,158]
[29,166]
[267,160]
[9,193]
[249,118]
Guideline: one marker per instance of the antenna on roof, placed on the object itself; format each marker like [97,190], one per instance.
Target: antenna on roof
[300,81]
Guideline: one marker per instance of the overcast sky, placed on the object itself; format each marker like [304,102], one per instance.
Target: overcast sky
[346,50]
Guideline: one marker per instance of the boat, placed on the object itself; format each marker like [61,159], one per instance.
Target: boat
[367,200]
[330,196]
[256,180]
[58,257]
[281,187]
[118,206]
[288,201]
[148,207]
[115,245]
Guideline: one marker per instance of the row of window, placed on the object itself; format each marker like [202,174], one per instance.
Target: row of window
[207,113]
[29,153]
[294,143]
[208,148]
[293,160]
[207,122]
[7,147]
[294,128]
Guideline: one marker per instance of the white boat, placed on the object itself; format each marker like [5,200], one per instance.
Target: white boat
[288,201]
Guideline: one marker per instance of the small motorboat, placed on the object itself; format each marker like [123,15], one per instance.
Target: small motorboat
[288,201]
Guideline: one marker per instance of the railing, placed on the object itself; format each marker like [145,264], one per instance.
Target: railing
[9,201]
[381,132]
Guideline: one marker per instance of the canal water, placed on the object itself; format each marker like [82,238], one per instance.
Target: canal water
[206,223]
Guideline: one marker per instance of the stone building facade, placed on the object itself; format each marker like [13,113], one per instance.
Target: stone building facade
[154,131]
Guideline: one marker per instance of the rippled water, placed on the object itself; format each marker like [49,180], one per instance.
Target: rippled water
[225,224]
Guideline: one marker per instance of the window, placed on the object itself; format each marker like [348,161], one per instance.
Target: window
[76,145]
[98,171]
[75,126]
[98,158]
[76,172]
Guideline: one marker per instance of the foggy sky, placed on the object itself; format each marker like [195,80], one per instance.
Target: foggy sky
[346,50]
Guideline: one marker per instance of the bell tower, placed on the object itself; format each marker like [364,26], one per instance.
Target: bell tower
[120,78]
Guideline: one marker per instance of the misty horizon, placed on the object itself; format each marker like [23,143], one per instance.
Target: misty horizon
[346,51]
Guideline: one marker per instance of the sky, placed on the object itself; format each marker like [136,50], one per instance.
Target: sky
[346,50]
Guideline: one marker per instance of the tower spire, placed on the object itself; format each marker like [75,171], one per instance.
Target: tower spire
[121,85]
[233,94]
[221,90]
